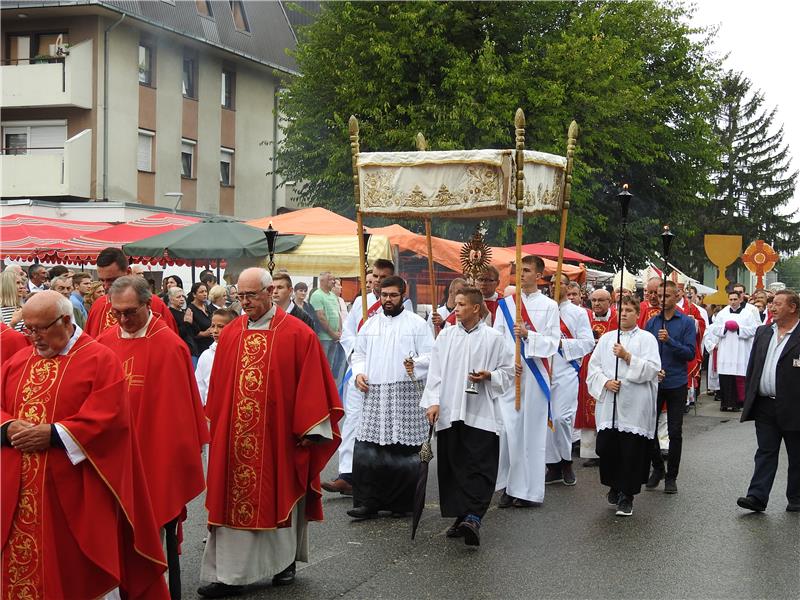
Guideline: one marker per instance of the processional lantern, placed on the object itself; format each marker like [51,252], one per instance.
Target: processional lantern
[272,235]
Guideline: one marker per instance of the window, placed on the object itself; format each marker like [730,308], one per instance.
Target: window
[19,48]
[32,137]
[225,166]
[204,8]
[228,85]
[48,44]
[145,64]
[239,16]
[144,154]
[189,77]
[187,158]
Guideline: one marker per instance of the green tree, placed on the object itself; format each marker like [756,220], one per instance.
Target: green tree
[755,181]
[632,74]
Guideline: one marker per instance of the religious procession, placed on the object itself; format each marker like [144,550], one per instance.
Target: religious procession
[356,407]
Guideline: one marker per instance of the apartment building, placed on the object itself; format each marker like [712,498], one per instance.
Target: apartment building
[167,103]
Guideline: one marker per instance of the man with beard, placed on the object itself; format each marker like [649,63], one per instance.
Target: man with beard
[602,318]
[487,283]
[390,363]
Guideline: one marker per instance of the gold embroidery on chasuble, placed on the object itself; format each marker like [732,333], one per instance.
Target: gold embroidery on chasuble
[130,376]
[248,427]
[110,320]
[22,555]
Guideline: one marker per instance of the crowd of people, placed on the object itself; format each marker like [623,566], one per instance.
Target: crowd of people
[120,406]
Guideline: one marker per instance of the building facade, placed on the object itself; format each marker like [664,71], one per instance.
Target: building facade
[162,103]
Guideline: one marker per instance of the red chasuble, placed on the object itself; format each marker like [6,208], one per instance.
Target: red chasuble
[11,341]
[584,418]
[167,414]
[75,531]
[268,389]
[647,312]
[696,364]
[100,316]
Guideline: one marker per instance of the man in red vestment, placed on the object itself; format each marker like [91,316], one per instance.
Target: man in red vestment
[165,403]
[651,305]
[75,517]
[274,412]
[111,265]
[11,341]
[487,283]
[602,318]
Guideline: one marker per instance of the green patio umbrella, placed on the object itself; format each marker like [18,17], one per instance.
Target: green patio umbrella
[214,238]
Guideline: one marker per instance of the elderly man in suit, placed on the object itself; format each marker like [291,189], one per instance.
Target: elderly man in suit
[773,402]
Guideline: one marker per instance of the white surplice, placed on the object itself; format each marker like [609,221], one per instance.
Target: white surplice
[244,556]
[456,353]
[522,443]
[564,383]
[636,400]
[202,372]
[733,348]
[390,411]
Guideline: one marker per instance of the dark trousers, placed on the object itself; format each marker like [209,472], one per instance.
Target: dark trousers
[675,399]
[173,562]
[466,460]
[769,435]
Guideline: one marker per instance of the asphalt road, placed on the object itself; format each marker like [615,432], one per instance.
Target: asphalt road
[696,544]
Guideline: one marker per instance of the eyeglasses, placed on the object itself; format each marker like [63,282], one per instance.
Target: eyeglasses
[242,296]
[392,295]
[118,314]
[30,331]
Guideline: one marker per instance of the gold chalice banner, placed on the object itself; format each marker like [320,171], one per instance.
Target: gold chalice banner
[722,251]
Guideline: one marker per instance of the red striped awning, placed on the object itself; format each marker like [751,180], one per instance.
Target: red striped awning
[25,237]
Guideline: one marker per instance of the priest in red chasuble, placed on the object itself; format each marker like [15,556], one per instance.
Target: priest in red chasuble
[75,516]
[167,412]
[602,318]
[111,265]
[693,368]
[11,341]
[274,412]
[651,305]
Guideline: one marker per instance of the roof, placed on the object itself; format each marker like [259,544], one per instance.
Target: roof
[270,34]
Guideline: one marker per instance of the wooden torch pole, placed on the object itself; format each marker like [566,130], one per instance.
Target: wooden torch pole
[362,258]
[572,137]
[519,125]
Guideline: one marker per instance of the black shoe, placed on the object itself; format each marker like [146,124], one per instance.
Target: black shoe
[399,515]
[453,531]
[470,529]
[362,512]
[612,497]
[686,409]
[625,505]
[752,503]
[655,478]
[670,487]
[220,590]
[591,462]
[520,503]
[792,506]
[506,501]
[568,475]
[285,577]
[553,475]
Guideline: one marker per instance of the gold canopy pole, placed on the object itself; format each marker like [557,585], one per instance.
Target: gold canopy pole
[422,146]
[519,124]
[362,251]
[572,138]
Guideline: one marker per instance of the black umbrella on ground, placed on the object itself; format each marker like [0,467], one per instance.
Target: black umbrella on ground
[425,457]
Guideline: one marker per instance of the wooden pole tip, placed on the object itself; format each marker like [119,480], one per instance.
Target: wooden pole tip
[519,119]
[573,129]
[352,125]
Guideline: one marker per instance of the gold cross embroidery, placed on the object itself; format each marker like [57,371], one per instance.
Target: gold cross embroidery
[132,379]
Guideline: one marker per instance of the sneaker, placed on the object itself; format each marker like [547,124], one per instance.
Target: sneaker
[613,497]
[453,531]
[568,475]
[670,487]
[655,478]
[625,506]
[553,475]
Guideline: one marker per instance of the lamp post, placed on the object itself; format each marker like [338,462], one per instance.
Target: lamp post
[272,235]
[624,198]
[178,195]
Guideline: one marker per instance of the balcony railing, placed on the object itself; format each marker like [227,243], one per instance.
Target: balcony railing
[39,60]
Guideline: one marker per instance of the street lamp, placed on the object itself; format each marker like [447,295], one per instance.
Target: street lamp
[178,195]
[272,235]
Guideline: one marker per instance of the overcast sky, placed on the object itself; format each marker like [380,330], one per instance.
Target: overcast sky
[762,40]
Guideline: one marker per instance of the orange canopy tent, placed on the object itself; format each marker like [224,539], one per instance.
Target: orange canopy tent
[308,221]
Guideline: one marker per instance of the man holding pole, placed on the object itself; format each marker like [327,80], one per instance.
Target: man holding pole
[522,444]
[676,335]
[577,341]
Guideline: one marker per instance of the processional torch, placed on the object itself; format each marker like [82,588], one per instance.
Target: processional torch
[624,198]
[666,242]
[272,235]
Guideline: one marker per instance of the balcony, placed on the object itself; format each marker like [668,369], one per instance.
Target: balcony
[48,172]
[56,81]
